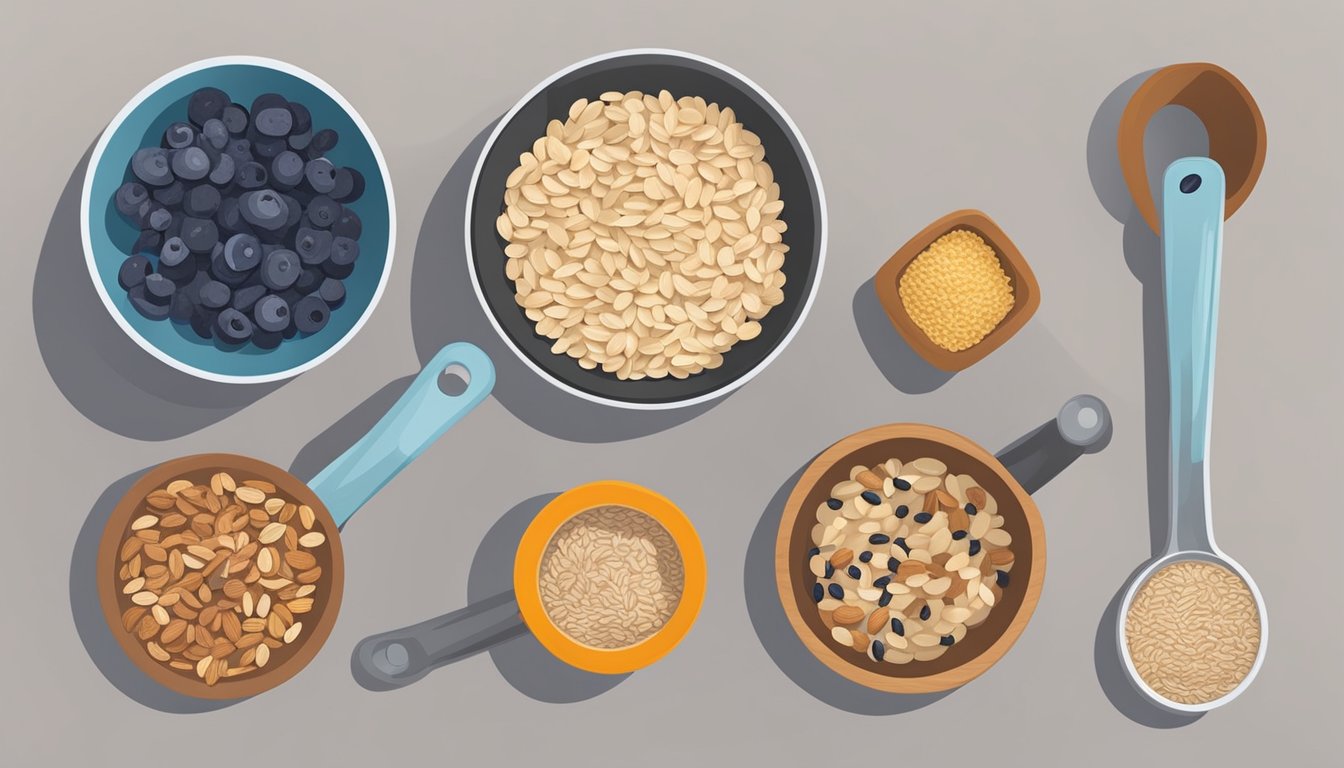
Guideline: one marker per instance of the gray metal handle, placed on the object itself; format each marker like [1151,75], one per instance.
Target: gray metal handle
[402,656]
[1083,425]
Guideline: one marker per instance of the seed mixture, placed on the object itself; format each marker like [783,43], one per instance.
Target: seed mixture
[1193,631]
[611,577]
[907,557]
[956,291]
[644,234]
[216,576]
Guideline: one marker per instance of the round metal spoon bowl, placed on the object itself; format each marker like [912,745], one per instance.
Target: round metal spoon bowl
[1122,638]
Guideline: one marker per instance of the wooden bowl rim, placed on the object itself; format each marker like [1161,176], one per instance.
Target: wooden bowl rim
[1026,290]
[818,647]
[109,548]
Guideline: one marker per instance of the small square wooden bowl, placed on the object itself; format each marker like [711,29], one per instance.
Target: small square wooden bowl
[1026,291]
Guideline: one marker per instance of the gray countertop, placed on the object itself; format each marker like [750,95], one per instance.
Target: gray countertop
[912,110]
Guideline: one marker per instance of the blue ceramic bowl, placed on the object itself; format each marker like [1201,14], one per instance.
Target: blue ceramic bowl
[108,238]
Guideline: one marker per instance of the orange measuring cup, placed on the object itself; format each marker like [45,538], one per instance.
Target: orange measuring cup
[402,656]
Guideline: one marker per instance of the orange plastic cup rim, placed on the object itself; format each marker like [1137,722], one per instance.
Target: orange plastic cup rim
[527,570]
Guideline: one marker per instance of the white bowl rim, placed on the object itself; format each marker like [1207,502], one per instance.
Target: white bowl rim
[1217,557]
[86,207]
[822,230]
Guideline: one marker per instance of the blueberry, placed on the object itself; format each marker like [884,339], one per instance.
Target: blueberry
[901,485]
[158,288]
[144,306]
[879,538]
[151,165]
[235,119]
[1001,578]
[222,172]
[818,592]
[200,235]
[242,253]
[834,503]
[191,163]
[174,252]
[205,104]
[902,511]
[280,269]
[287,169]
[174,228]
[923,517]
[133,272]
[299,141]
[272,313]
[247,297]
[312,245]
[349,185]
[897,626]
[323,142]
[266,339]
[311,314]
[265,148]
[332,291]
[974,548]
[836,591]
[215,295]
[215,134]
[159,219]
[219,267]
[264,208]
[130,196]
[946,640]
[180,308]
[274,121]
[266,100]
[348,225]
[319,174]
[970,508]
[309,281]
[854,572]
[203,322]
[878,650]
[240,149]
[170,195]
[344,250]
[871,498]
[323,211]
[179,136]
[303,119]
[181,273]
[295,210]
[233,326]
[201,200]
[864,557]
[251,175]
[149,241]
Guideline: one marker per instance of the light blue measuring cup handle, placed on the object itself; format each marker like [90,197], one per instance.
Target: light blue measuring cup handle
[422,414]
[1192,252]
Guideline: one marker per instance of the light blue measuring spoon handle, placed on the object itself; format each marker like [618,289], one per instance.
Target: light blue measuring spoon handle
[1193,190]
[422,414]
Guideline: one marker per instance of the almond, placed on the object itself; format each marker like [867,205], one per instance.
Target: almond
[946,500]
[869,480]
[1001,558]
[842,557]
[877,620]
[976,495]
[957,519]
[909,568]
[847,614]
[860,639]
[930,502]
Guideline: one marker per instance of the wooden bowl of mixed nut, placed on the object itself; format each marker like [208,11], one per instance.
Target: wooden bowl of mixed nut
[908,559]
[220,575]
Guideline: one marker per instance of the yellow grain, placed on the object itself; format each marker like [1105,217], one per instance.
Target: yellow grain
[956,291]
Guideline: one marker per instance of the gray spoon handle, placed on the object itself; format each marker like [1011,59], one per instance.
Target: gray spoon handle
[1083,425]
[402,656]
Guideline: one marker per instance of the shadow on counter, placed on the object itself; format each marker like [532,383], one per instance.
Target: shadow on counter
[86,608]
[897,361]
[444,308]
[1174,132]
[99,370]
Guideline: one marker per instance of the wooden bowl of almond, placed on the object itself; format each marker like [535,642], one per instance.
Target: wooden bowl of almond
[220,575]
[909,559]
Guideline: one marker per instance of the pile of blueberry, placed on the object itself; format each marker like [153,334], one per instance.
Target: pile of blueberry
[245,227]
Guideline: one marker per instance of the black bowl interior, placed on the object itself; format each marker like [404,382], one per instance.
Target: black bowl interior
[649,72]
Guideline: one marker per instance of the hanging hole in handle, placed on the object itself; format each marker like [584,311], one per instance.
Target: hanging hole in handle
[454,380]
[391,659]
[1190,183]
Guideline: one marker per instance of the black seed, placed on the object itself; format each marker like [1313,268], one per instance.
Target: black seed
[865,556]
[813,552]
[975,547]
[1001,578]
[878,650]
[947,640]
[830,570]
[884,600]
[900,542]
[879,538]
[958,535]
[881,583]
[902,511]
[970,508]
[1190,183]
[901,485]
[836,591]
[854,572]
[897,627]
[924,613]
[834,503]
[871,498]
[818,592]
[893,564]
[923,517]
